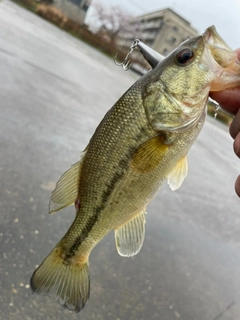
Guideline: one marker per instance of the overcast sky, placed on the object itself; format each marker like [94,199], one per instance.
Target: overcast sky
[224,14]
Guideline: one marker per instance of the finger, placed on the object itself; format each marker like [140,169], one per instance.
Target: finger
[228,99]
[236,145]
[237,186]
[235,126]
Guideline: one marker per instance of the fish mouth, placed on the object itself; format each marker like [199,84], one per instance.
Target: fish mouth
[220,51]
[221,60]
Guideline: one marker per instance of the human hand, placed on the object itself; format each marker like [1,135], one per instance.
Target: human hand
[229,100]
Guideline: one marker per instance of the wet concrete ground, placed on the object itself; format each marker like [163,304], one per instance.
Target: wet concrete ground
[54,90]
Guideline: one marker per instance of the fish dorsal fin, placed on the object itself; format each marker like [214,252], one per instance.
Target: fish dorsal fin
[178,174]
[130,236]
[66,190]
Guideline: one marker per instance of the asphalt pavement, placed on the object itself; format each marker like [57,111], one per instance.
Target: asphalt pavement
[54,90]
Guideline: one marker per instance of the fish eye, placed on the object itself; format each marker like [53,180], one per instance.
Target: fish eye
[183,56]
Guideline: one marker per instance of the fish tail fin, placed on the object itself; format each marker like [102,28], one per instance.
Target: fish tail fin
[65,279]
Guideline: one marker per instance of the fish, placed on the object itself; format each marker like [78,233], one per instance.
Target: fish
[141,142]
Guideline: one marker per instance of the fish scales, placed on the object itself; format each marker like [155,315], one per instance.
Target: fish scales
[101,175]
[140,143]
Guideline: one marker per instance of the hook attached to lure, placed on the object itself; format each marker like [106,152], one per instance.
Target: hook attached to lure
[126,64]
[151,56]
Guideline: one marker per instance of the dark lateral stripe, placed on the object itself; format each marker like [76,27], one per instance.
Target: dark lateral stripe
[123,163]
[84,234]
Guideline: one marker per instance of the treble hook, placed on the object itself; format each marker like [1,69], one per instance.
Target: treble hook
[126,64]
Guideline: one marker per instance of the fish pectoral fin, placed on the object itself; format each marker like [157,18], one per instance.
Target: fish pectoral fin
[66,190]
[149,154]
[178,174]
[130,236]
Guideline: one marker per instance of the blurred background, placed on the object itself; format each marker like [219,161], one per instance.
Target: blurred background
[57,80]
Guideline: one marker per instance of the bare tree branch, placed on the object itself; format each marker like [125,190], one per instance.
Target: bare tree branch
[111,21]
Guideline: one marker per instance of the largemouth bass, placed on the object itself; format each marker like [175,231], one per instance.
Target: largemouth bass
[142,141]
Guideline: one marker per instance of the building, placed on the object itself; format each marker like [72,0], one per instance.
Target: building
[161,30]
[74,9]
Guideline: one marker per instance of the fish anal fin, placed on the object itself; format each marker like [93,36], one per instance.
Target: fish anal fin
[178,174]
[66,190]
[149,154]
[130,236]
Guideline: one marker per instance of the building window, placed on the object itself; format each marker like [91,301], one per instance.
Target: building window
[77,2]
[85,6]
[172,40]
[175,28]
[165,52]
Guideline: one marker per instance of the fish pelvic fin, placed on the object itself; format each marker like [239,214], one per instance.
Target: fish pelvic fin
[178,174]
[66,190]
[65,279]
[130,236]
